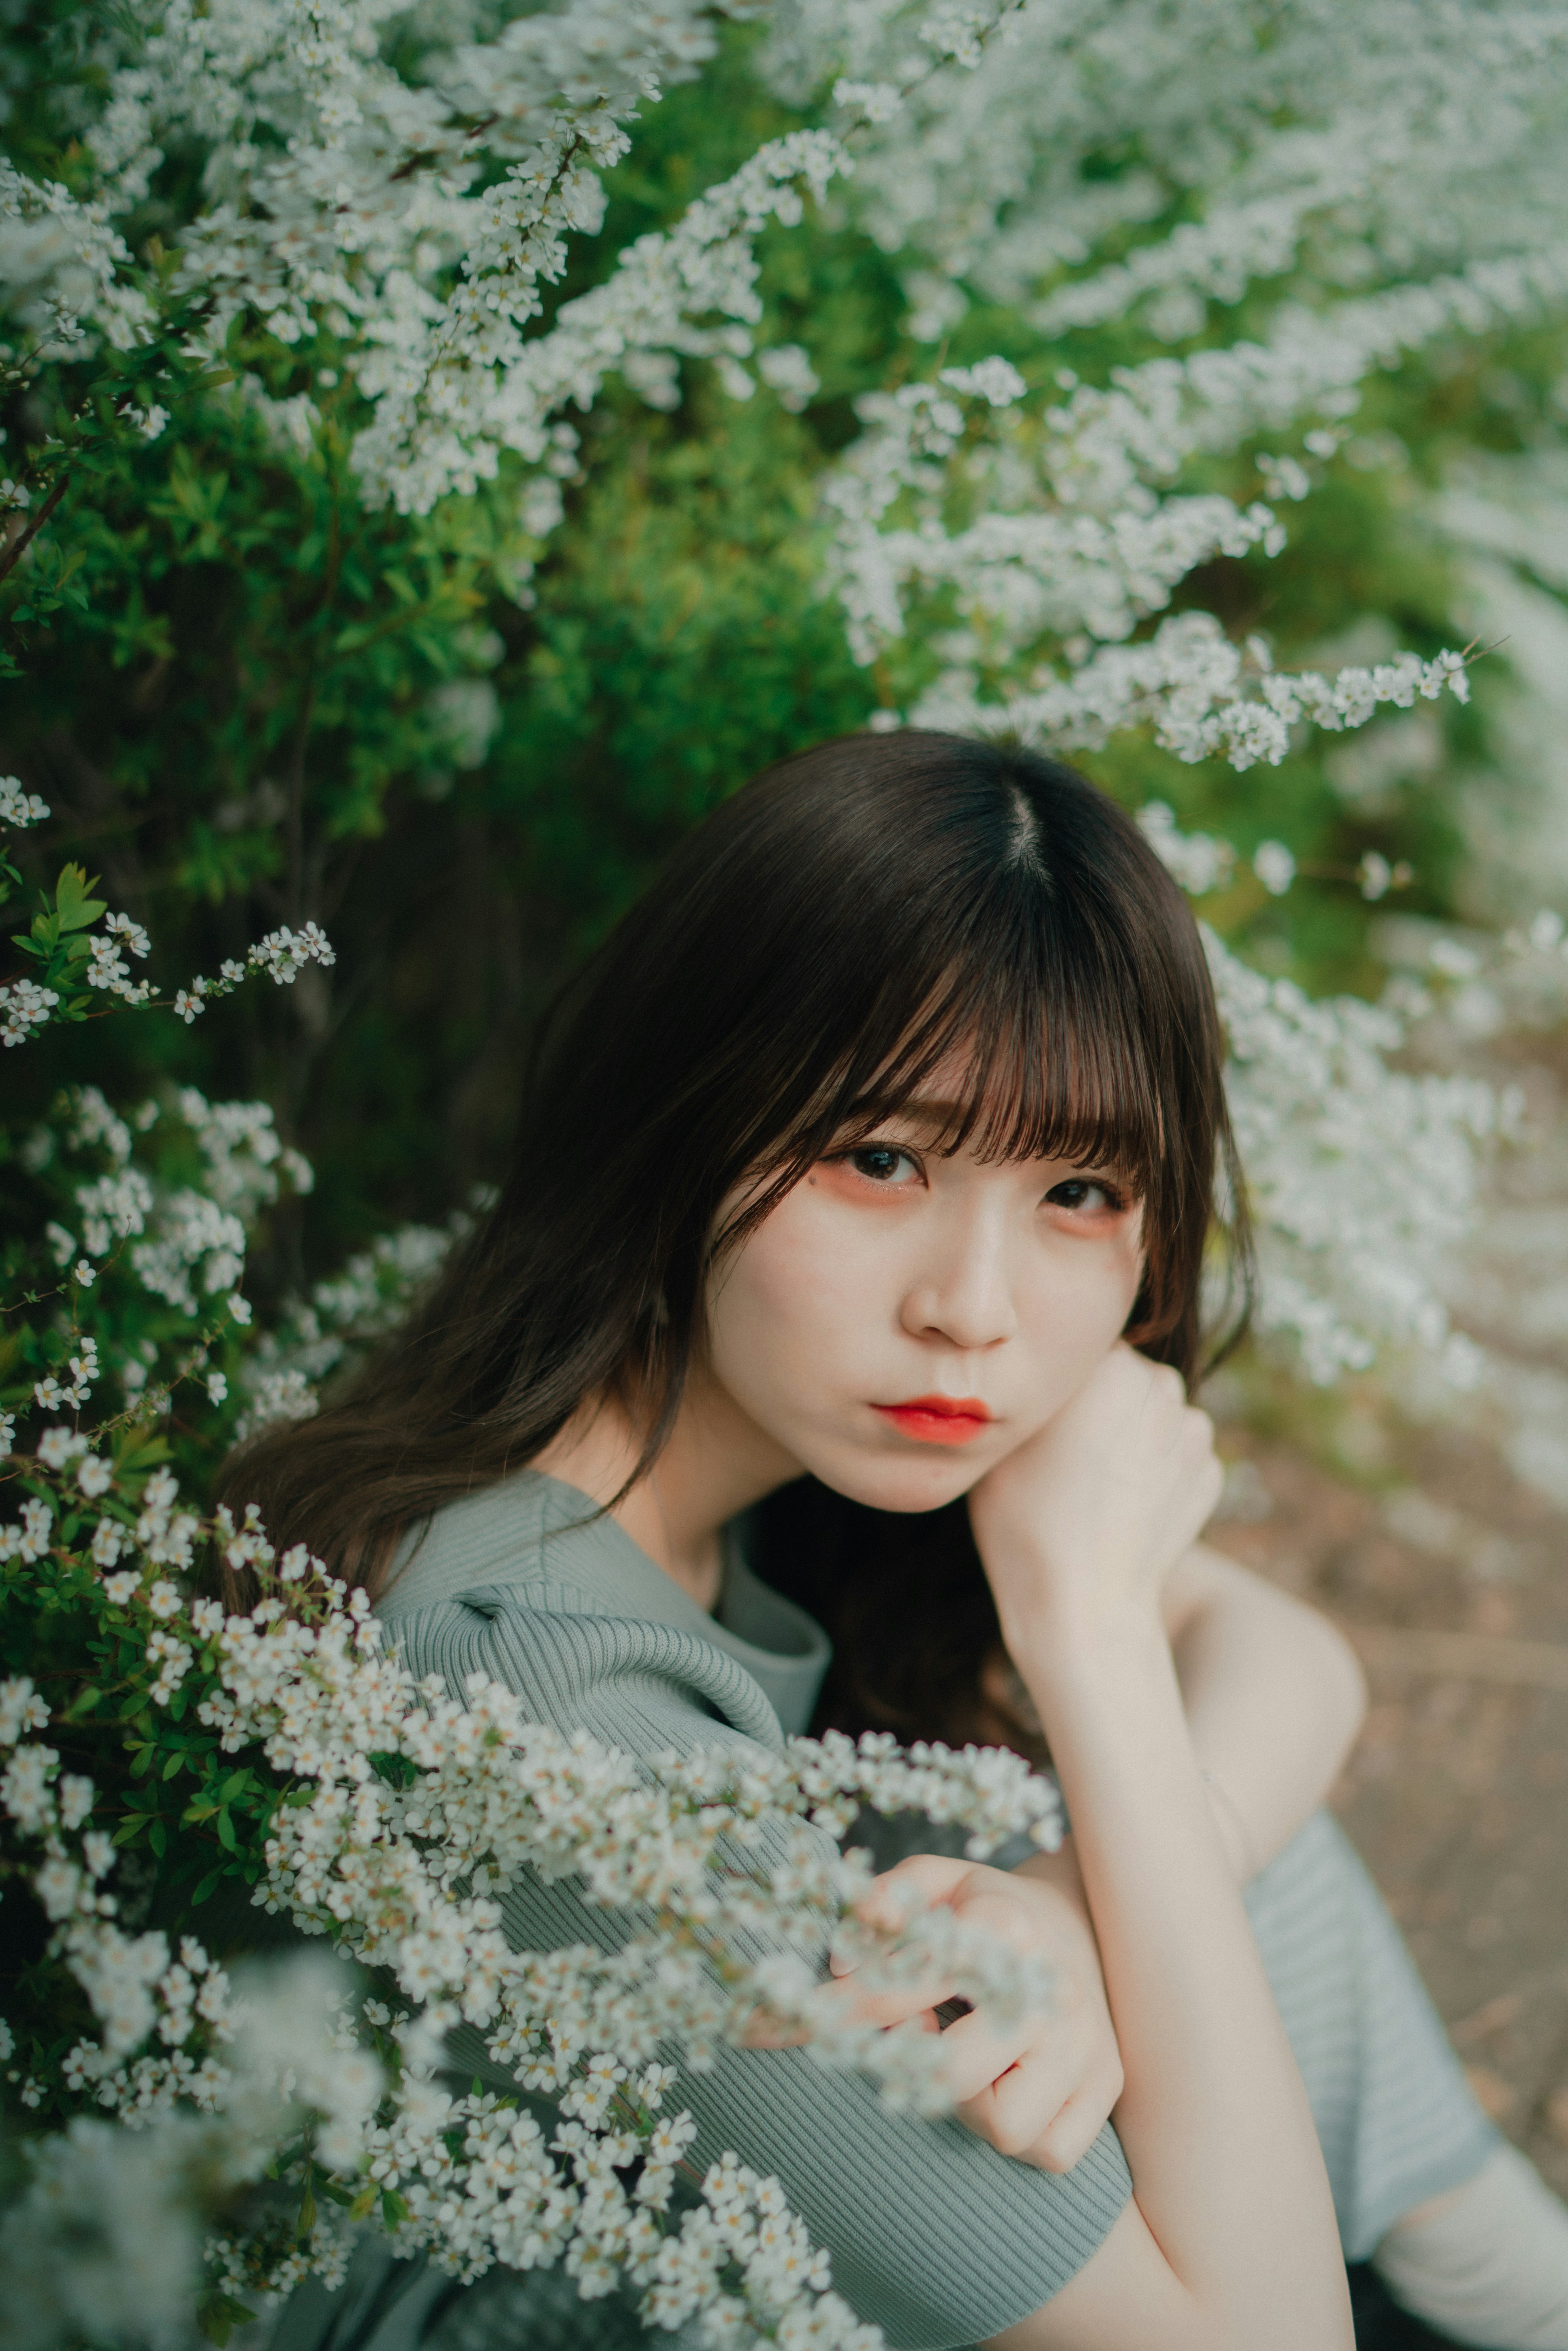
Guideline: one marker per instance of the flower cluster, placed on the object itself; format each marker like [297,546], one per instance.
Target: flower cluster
[401,1812]
[147,1227]
[367,1299]
[1352,1253]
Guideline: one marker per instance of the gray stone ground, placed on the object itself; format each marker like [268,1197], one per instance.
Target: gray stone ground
[1444,1553]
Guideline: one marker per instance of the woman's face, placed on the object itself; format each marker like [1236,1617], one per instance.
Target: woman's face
[901,1322]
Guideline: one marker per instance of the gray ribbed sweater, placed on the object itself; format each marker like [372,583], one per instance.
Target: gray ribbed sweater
[933,2234]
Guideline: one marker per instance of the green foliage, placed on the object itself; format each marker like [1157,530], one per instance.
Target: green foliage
[250,701]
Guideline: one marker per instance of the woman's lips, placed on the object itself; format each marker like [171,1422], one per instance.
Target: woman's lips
[938,1420]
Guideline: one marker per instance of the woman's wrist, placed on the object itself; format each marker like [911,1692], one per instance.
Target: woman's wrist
[1081,1638]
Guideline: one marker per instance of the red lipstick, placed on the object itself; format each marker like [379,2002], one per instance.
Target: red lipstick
[938,1420]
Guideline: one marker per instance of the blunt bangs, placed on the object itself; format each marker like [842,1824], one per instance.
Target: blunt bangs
[1051,1067]
[1005,926]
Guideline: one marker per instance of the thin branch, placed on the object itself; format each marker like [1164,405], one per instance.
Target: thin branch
[20,544]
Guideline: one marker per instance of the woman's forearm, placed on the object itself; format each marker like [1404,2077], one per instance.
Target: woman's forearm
[1227,2171]
[1273,1695]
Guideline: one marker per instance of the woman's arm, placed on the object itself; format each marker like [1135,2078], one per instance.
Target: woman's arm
[1274,1697]
[1230,2240]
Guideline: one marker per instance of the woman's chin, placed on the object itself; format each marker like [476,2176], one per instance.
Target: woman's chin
[903,1486]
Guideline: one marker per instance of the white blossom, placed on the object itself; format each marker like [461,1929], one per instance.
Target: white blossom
[25,1008]
[107,1543]
[1352,1250]
[1274,866]
[20,808]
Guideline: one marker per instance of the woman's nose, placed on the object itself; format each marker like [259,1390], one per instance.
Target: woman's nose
[962,1291]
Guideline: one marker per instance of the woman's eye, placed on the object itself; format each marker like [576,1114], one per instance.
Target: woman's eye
[1084,1196]
[882,1163]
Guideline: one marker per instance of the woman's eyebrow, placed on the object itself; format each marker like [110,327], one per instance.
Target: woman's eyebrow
[935,1117]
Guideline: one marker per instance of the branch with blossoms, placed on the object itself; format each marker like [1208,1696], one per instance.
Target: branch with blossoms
[147,1219]
[288,1751]
[957,490]
[69,965]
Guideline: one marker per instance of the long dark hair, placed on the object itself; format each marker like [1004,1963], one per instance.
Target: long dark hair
[808,957]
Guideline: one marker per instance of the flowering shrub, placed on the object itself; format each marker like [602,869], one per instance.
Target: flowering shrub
[287,1750]
[445,446]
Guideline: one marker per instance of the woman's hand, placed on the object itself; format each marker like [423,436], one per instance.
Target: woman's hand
[1042,2089]
[1090,1516]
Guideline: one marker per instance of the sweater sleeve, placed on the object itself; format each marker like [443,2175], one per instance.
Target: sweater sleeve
[933,2235]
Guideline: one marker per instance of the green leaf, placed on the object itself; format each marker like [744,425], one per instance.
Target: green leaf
[218,2314]
[226,1836]
[77,908]
[393,2208]
[307,2221]
[159,1839]
[212,1880]
[173,1763]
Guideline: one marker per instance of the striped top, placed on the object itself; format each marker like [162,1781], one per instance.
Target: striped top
[933,2234]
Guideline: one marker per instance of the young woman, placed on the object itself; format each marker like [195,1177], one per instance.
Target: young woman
[852,1249]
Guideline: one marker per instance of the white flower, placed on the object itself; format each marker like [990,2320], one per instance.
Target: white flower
[24,1007]
[1198,860]
[84,1273]
[162,1492]
[217,1386]
[21,1710]
[75,1793]
[107,1543]
[59,1447]
[1274,866]
[121,1587]
[788,372]
[994,379]
[95,1476]
[20,808]
[30,1540]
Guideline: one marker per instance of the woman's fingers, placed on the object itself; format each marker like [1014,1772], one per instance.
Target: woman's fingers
[914,1885]
[1044,2110]
[1076,2124]
[1040,2059]
[894,2006]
